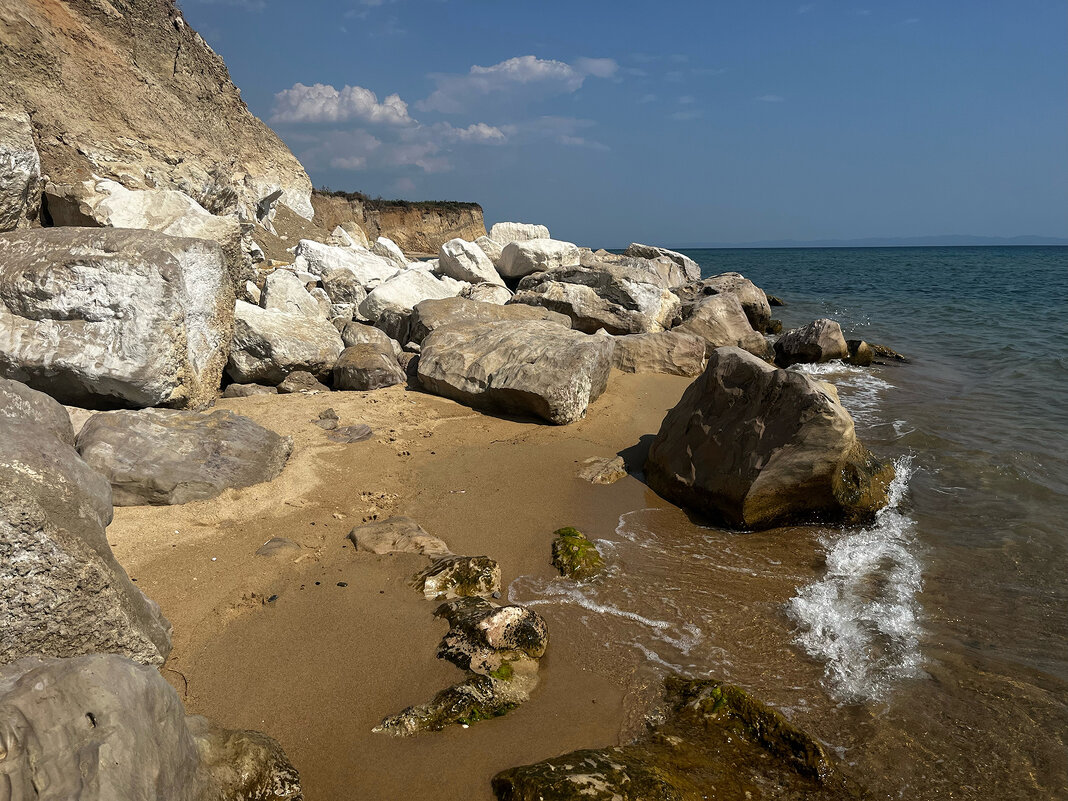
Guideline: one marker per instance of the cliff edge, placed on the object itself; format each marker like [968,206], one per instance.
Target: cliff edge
[127,90]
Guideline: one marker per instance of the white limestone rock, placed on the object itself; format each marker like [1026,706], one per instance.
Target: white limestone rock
[535,256]
[488,293]
[107,316]
[282,290]
[693,271]
[505,232]
[389,250]
[491,247]
[466,261]
[368,268]
[401,292]
[269,344]
[20,171]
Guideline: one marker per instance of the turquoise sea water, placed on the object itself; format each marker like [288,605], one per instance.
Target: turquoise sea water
[930,650]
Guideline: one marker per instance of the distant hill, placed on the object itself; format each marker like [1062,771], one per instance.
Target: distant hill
[891,242]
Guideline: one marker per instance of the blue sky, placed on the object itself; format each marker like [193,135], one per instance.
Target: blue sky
[673,122]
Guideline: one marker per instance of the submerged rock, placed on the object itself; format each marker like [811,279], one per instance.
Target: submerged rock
[161,457]
[112,317]
[756,447]
[102,728]
[459,577]
[716,741]
[884,352]
[819,341]
[574,555]
[536,368]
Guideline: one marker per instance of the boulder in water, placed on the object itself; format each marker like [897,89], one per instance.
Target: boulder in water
[819,341]
[756,447]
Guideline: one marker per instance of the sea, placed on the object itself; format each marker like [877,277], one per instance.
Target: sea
[929,649]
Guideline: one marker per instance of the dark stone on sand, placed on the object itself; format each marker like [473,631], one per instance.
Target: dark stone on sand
[350,434]
[459,577]
[278,546]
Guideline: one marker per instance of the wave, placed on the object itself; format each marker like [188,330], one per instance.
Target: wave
[862,618]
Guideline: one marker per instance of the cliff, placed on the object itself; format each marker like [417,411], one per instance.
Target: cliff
[417,227]
[127,90]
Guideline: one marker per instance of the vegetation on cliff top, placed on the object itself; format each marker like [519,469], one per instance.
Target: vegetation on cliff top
[380,203]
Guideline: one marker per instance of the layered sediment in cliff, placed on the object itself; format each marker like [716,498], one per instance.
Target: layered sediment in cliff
[127,90]
[417,227]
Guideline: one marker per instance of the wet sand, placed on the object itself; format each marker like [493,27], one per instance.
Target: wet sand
[319,665]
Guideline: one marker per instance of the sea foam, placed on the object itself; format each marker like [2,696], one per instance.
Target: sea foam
[862,618]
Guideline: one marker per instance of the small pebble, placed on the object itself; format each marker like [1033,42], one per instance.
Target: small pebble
[272,599]
[214,559]
[342,584]
[496,594]
[318,583]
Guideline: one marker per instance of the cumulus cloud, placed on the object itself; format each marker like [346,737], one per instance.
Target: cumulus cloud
[323,103]
[455,93]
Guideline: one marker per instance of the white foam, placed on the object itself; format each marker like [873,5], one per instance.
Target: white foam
[859,388]
[862,618]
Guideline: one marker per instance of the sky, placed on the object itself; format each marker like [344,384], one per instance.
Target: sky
[677,123]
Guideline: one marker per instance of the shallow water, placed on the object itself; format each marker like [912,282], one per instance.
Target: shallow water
[929,649]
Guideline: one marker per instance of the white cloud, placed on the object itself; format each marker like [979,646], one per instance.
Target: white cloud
[647,98]
[323,103]
[454,93]
[771,98]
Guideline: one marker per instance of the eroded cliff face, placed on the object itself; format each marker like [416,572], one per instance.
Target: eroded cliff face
[127,90]
[420,227]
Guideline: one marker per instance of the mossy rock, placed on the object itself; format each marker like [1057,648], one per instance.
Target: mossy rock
[575,556]
[716,741]
[476,699]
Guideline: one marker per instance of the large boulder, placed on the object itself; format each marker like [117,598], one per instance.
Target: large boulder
[111,205]
[819,341]
[688,265]
[505,232]
[102,728]
[61,591]
[430,315]
[756,446]
[402,292]
[161,457]
[670,352]
[488,293]
[536,256]
[618,299]
[283,291]
[368,268]
[270,344]
[534,368]
[390,251]
[753,299]
[721,322]
[20,404]
[354,333]
[367,366]
[113,317]
[20,171]
[465,261]
[491,247]
[660,270]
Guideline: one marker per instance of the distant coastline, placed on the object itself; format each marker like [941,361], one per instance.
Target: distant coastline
[888,242]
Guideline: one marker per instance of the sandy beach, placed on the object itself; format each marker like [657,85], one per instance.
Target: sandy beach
[321,664]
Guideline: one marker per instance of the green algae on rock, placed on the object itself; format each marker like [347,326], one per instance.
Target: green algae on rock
[499,647]
[715,742]
[574,555]
[459,577]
